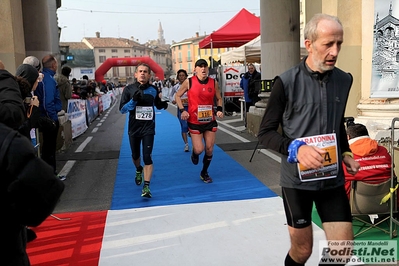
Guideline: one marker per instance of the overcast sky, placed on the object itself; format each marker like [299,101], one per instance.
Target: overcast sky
[180,19]
[382,8]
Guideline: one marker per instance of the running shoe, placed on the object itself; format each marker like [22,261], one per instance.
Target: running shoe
[61,177]
[194,158]
[139,177]
[186,148]
[206,178]
[146,193]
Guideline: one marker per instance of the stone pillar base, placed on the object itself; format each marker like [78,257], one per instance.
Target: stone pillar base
[253,123]
[64,137]
[377,116]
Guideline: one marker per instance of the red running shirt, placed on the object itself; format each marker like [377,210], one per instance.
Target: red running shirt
[201,96]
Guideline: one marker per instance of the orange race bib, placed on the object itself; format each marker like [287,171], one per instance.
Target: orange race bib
[184,101]
[204,113]
[327,142]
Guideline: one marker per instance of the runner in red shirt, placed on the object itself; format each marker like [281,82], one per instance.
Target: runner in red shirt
[201,117]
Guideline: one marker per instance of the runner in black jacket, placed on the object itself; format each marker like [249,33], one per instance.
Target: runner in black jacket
[139,100]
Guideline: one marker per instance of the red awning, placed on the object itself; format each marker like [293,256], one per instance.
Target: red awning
[239,30]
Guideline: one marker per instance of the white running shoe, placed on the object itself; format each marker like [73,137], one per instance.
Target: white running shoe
[186,148]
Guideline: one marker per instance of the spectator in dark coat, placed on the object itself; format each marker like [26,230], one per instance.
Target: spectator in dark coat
[13,239]
[64,86]
[28,194]
[12,110]
[247,83]
[14,236]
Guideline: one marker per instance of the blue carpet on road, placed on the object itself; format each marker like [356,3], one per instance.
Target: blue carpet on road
[175,179]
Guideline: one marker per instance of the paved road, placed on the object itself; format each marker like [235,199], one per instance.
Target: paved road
[91,161]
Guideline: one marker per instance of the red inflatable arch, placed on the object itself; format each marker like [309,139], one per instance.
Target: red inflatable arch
[128,61]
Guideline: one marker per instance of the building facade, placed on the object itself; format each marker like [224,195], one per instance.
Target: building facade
[79,57]
[187,51]
[104,48]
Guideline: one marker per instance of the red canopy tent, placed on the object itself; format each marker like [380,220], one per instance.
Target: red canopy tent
[239,30]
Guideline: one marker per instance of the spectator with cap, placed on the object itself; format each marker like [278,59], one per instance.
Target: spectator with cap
[200,115]
[64,86]
[28,78]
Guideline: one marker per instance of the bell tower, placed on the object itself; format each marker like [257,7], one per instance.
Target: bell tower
[161,39]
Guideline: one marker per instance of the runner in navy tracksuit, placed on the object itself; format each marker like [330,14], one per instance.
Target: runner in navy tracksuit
[139,99]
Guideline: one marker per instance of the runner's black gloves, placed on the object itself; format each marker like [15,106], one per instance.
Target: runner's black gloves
[159,104]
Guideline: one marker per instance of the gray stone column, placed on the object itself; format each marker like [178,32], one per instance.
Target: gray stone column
[37,28]
[12,46]
[280,49]
[280,32]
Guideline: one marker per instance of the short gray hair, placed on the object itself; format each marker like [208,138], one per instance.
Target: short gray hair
[310,31]
[33,61]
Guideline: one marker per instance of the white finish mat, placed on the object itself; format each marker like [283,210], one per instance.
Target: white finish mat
[245,232]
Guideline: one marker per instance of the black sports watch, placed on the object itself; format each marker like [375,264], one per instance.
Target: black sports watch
[182,110]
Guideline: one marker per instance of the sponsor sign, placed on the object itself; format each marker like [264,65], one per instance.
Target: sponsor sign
[231,78]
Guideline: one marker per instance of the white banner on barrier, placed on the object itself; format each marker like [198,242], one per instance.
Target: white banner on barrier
[77,115]
[106,100]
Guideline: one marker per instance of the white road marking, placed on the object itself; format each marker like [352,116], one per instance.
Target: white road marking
[84,144]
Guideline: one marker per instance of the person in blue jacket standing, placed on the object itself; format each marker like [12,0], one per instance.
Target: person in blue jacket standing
[247,83]
[49,97]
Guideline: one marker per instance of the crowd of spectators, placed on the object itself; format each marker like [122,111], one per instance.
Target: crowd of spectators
[86,88]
